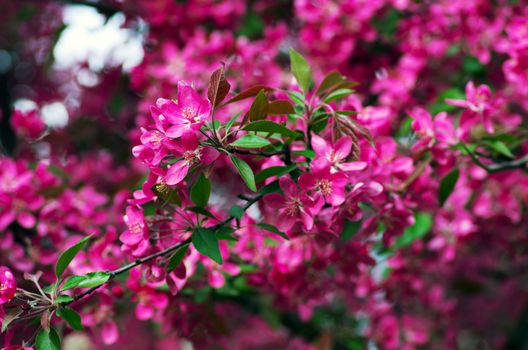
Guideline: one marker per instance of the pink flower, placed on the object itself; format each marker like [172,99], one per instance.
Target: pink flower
[293,206]
[477,102]
[7,285]
[28,124]
[329,187]
[192,153]
[136,237]
[187,114]
[336,155]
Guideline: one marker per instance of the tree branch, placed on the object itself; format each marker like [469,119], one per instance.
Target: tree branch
[167,251]
[496,167]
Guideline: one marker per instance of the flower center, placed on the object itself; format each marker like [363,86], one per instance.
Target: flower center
[136,228]
[325,187]
[191,157]
[293,207]
[189,113]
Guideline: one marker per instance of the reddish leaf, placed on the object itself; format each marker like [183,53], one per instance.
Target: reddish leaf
[252,91]
[331,80]
[279,107]
[218,87]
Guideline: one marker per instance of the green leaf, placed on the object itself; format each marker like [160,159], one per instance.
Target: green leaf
[296,97]
[447,185]
[94,279]
[330,80]
[250,141]
[338,94]
[270,188]
[422,225]
[245,172]
[274,171]
[201,191]
[350,229]
[259,108]
[66,258]
[305,153]
[177,258]
[230,123]
[47,340]
[61,299]
[500,147]
[273,229]
[269,126]
[205,241]
[9,317]
[71,316]
[226,233]
[236,211]
[301,70]
[72,282]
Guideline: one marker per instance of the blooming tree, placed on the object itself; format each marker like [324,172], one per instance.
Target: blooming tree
[368,193]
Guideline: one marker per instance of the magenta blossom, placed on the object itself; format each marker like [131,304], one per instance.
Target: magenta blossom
[192,153]
[136,237]
[294,206]
[187,114]
[328,187]
[336,155]
[477,103]
[7,285]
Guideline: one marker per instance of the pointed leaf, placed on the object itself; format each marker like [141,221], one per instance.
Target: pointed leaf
[274,171]
[236,211]
[205,241]
[252,91]
[71,316]
[201,191]
[66,258]
[72,282]
[259,108]
[250,141]
[331,80]
[94,279]
[273,229]
[301,70]
[245,172]
[279,107]
[338,94]
[177,258]
[47,340]
[218,87]
[447,185]
[269,126]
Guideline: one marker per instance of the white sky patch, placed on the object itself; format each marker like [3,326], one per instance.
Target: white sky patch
[87,38]
[55,115]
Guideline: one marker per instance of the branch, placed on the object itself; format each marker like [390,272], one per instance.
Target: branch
[496,167]
[167,251]
[259,153]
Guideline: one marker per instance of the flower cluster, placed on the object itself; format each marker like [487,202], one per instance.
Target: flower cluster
[374,194]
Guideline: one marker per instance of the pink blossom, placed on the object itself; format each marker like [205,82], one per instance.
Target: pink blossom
[136,237]
[8,285]
[329,187]
[293,206]
[187,114]
[335,155]
[192,154]
[478,102]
